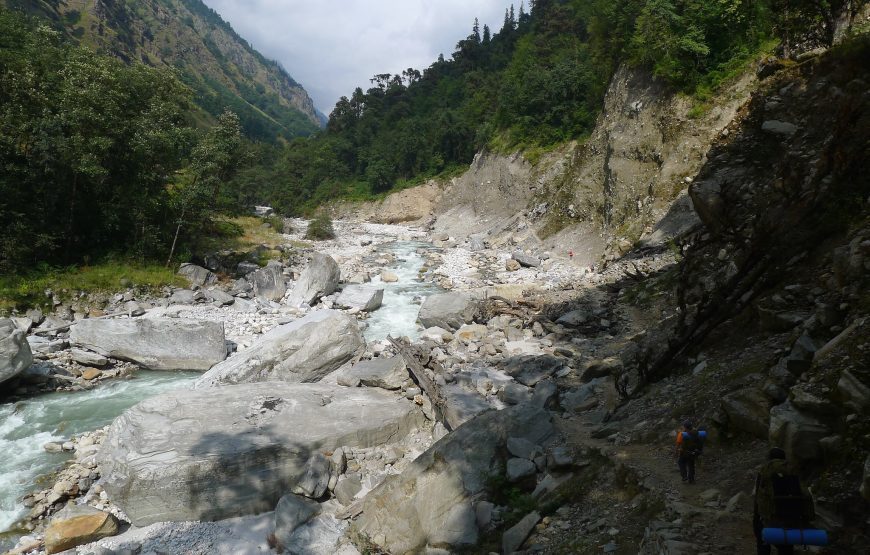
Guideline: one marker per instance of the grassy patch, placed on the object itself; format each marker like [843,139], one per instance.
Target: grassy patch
[509,495]
[277,223]
[534,153]
[18,291]
[242,233]
[713,82]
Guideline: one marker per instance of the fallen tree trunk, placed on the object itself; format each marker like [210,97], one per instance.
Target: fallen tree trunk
[418,371]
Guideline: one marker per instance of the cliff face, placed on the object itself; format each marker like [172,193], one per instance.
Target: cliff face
[220,66]
[772,290]
[625,183]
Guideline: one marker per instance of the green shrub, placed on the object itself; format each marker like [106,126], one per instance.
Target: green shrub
[276,222]
[320,228]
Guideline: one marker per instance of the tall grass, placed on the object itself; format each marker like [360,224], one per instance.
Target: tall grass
[19,291]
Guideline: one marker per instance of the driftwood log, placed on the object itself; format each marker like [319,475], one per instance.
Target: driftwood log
[418,372]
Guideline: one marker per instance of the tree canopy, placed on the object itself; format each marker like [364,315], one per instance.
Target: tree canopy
[89,149]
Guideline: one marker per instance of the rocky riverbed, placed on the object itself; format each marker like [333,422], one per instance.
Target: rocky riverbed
[76,358]
[250,307]
[500,420]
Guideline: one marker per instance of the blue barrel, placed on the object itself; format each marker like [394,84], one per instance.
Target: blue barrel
[794,536]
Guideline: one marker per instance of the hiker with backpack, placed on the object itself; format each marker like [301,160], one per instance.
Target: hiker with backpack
[783,508]
[689,447]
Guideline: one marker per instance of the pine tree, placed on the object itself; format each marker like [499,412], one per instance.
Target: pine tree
[475,31]
[523,18]
[487,36]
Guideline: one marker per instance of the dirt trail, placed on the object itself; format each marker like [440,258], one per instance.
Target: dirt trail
[704,518]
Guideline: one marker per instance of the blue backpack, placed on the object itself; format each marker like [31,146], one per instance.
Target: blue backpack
[693,442]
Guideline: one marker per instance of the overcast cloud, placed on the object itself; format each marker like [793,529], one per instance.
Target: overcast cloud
[333,46]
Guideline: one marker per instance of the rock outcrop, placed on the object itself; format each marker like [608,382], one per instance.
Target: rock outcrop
[383,372]
[304,350]
[292,512]
[432,502]
[748,411]
[235,450]
[319,279]
[15,354]
[155,343]
[796,432]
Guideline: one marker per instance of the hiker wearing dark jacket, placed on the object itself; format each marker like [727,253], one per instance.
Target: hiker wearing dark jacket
[781,501]
[688,448]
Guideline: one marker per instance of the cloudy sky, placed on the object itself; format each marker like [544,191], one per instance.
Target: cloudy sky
[333,46]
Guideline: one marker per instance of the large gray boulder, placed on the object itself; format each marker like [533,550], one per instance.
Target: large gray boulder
[526,260]
[235,450]
[319,279]
[197,275]
[447,310]
[579,400]
[292,512]
[531,369]
[15,354]
[854,392]
[304,350]
[514,537]
[431,501]
[268,282]
[155,343]
[364,298]
[796,432]
[461,404]
[383,372]
[748,410]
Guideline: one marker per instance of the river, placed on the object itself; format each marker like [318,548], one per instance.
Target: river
[28,425]
[398,315]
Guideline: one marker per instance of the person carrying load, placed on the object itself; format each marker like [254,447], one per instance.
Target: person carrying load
[783,509]
[689,446]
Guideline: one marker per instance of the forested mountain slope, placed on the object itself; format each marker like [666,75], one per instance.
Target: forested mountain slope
[536,82]
[221,67]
